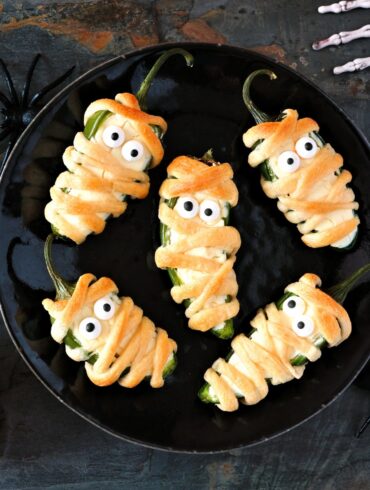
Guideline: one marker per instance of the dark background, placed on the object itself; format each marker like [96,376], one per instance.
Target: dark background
[42,443]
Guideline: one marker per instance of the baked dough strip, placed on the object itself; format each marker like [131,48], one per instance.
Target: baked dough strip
[101,177]
[265,357]
[189,177]
[133,342]
[313,195]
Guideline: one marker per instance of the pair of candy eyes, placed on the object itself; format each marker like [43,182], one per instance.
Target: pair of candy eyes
[290,161]
[208,210]
[114,137]
[104,309]
[302,325]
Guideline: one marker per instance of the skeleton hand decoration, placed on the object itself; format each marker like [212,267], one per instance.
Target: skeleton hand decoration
[342,38]
[344,6]
[355,65]
[345,36]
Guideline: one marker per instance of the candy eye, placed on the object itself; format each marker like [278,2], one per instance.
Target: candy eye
[294,306]
[132,151]
[303,326]
[113,136]
[90,328]
[187,207]
[104,308]
[209,211]
[306,147]
[289,161]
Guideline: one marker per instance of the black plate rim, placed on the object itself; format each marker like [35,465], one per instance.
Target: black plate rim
[105,64]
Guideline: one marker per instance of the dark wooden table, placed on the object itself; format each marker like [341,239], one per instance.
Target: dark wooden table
[42,443]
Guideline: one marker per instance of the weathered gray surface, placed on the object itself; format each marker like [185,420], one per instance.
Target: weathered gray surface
[42,443]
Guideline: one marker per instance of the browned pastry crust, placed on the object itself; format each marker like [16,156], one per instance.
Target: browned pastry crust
[93,169]
[127,106]
[267,353]
[188,176]
[131,340]
[295,191]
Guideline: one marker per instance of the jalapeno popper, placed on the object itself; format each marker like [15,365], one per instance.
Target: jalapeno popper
[285,336]
[108,161]
[305,174]
[198,247]
[108,332]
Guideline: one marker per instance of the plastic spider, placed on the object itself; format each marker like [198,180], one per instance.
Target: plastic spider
[18,111]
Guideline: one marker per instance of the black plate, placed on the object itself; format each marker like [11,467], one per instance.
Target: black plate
[204,109]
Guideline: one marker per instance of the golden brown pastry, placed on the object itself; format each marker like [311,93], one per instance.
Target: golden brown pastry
[198,247]
[108,332]
[108,161]
[304,174]
[105,168]
[285,336]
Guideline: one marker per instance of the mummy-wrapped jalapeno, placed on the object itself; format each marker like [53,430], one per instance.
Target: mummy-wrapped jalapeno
[305,174]
[198,247]
[108,332]
[108,162]
[285,336]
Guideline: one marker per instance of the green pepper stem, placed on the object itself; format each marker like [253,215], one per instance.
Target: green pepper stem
[64,289]
[145,86]
[258,115]
[339,291]
[208,156]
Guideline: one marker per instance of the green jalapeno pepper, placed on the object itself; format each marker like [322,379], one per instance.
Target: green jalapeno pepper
[97,119]
[260,117]
[338,293]
[64,291]
[225,331]
[94,122]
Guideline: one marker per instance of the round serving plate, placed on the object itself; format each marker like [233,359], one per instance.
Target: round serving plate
[204,109]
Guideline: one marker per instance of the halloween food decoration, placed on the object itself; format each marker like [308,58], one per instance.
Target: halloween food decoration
[303,173]
[109,333]
[285,336]
[108,161]
[198,246]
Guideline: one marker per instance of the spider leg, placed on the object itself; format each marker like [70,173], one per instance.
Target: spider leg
[4,133]
[11,142]
[4,99]
[9,82]
[27,83]
[49,87]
